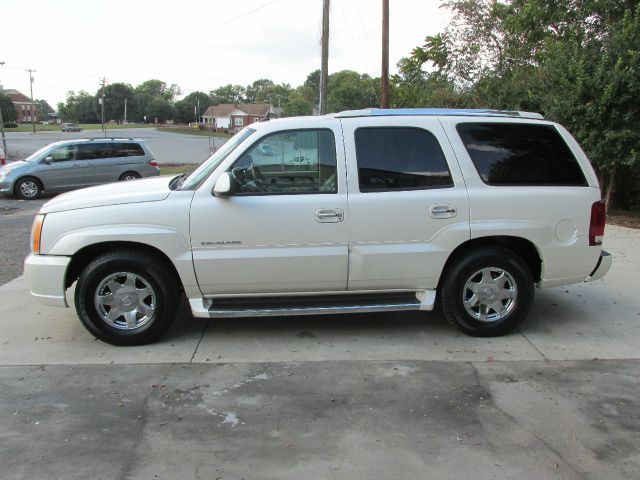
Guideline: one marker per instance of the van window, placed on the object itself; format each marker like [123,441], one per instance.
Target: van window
[400,158]
[520,154]
[92,151]
[68,152]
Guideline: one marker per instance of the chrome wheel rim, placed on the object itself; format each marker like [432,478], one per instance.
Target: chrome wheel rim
[489,294]
[29,188]
[125,301]
[129,178]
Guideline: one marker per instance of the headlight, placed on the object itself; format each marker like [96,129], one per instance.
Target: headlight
[3,175]
[36,233]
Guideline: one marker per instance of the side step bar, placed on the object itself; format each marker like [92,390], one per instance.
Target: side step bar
[288,311]
[312,305]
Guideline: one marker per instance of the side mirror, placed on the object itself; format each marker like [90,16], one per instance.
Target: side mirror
[48,160]
[225,185]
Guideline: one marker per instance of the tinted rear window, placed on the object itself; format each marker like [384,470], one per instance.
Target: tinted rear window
[92,151]
[520,154]
[400,158]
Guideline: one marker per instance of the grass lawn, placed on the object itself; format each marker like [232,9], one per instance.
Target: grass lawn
[194,131]
[176,168]
[26,127]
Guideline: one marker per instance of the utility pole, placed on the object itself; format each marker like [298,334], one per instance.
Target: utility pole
[104,131]
[125,111]
[324,68]
[385,54]
[33,115]
[4,140]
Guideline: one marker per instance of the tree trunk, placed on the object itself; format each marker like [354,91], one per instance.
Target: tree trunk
[608,199]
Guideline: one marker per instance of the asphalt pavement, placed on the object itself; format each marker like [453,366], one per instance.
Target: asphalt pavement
[167,147]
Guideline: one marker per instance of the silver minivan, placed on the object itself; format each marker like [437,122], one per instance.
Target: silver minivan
[72,164]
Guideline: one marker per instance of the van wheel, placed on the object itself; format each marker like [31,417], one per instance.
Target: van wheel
[127,297]
[488,292]
[28,188]
[126,176]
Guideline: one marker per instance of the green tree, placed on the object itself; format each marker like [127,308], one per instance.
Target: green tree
[158,88]
[159,109]
[9,113]
[115,95]
[191,107]
[79,107]
[347,90]
[574,61]
[275,95]
[228,94]
[313,82]
[252,91]
[297,107]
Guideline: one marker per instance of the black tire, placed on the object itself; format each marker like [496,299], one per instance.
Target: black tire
[127,176]
[28,188]
[150,274]
[480,322]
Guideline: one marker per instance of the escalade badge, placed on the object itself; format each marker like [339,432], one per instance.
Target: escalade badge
[225,242]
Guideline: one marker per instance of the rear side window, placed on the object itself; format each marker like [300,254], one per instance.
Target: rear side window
[400,158]
[92,151]
[520,154]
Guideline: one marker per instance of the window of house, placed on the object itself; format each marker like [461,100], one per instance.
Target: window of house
[290,162]
[520,154]
[400,158]
[238,121]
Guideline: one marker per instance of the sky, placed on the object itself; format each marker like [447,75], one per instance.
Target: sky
[198,45]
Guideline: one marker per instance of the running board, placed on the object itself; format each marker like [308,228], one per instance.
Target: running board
[312,305]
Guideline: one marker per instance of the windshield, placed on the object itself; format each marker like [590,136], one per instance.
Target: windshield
[203,171]
[38,155]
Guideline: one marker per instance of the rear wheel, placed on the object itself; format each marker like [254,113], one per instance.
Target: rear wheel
[28,188]
[487,292]
[126,176]
[127,297]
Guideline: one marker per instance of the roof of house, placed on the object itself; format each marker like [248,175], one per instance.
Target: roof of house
[225,109]
[16,96]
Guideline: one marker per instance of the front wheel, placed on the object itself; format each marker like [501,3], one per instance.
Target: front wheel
[126,297]
[487,292]
[28,188]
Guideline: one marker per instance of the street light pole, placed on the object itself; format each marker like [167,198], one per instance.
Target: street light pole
[4,140]
[33,115]
[104,131]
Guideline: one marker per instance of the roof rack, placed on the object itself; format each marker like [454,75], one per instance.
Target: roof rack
[463,112]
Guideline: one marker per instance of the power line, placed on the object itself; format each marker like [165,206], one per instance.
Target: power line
[355,44]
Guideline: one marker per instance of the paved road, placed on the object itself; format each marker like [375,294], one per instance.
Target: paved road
[167,147]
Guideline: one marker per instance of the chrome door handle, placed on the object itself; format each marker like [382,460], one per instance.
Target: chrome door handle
[443,211]
[329,215]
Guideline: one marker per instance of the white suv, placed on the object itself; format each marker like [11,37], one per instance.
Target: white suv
[391,210]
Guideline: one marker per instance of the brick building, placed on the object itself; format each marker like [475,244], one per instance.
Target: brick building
[22,104]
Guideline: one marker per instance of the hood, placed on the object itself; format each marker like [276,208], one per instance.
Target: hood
[136,191]
[13,165]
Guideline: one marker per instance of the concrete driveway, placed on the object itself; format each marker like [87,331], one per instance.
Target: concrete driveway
[368,396]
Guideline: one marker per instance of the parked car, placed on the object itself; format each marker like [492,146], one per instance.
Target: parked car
[70,127]
[475,208]
[72,164]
